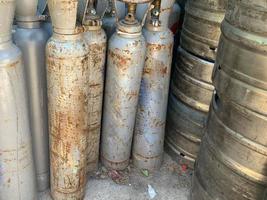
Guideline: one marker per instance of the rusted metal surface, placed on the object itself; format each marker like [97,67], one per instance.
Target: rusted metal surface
[234,148]
[68,91]
[17,174]
[153,98]
[126,58]
[201,29]
[68,107]
[96,40]
[188,108]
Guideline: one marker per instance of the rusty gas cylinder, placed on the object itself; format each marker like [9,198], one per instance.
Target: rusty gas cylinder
[153,98]
[68,102]
[201,29]
[96,40]
[126,58]
[234,148]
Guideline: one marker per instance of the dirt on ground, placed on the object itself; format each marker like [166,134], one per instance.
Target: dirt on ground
[171,182]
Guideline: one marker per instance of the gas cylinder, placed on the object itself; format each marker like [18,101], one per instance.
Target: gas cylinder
[96,39]
[31,39]
[153,98]
[126,58]
[68,97]
[17,173]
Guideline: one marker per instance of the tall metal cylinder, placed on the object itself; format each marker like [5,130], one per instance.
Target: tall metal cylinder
[126,58]
[234,148]
[153,98]
[68,96]
[17,173]
[96,40]
[201,28]
[31,39]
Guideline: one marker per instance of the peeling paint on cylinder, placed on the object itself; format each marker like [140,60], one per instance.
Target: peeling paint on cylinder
[68,108]
[96,40]
[17,174]
[126,57]
[153,98]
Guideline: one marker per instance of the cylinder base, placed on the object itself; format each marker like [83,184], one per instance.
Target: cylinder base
[149,163]
[115,165]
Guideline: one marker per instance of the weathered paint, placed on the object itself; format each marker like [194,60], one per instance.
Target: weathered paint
[17,177]
[17,173]
[126,58]
[68,96]
[97,41]
[153,98]
[234,148]
[31,39]
[68,102]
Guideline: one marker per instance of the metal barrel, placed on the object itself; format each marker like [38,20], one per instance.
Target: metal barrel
[68,102]
[126,58]
[234,154]
[201,28]
[192,91]
[31,39]
[153,98]
[235,146]
[97,42]
[17,173]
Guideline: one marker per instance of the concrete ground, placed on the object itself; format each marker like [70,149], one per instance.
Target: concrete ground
[171,182]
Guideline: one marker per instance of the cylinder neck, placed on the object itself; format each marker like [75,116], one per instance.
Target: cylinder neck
[28,25]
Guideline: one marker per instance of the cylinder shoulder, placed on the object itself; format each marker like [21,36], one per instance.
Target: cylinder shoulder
[164,36]
[9,53]
[121,42]
[67,48]
[32,34]
[97,36]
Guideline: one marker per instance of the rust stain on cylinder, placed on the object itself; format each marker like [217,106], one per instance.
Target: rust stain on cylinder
[96,84]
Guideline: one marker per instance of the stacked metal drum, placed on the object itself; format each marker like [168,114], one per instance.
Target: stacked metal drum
[232,160]
[191,87]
